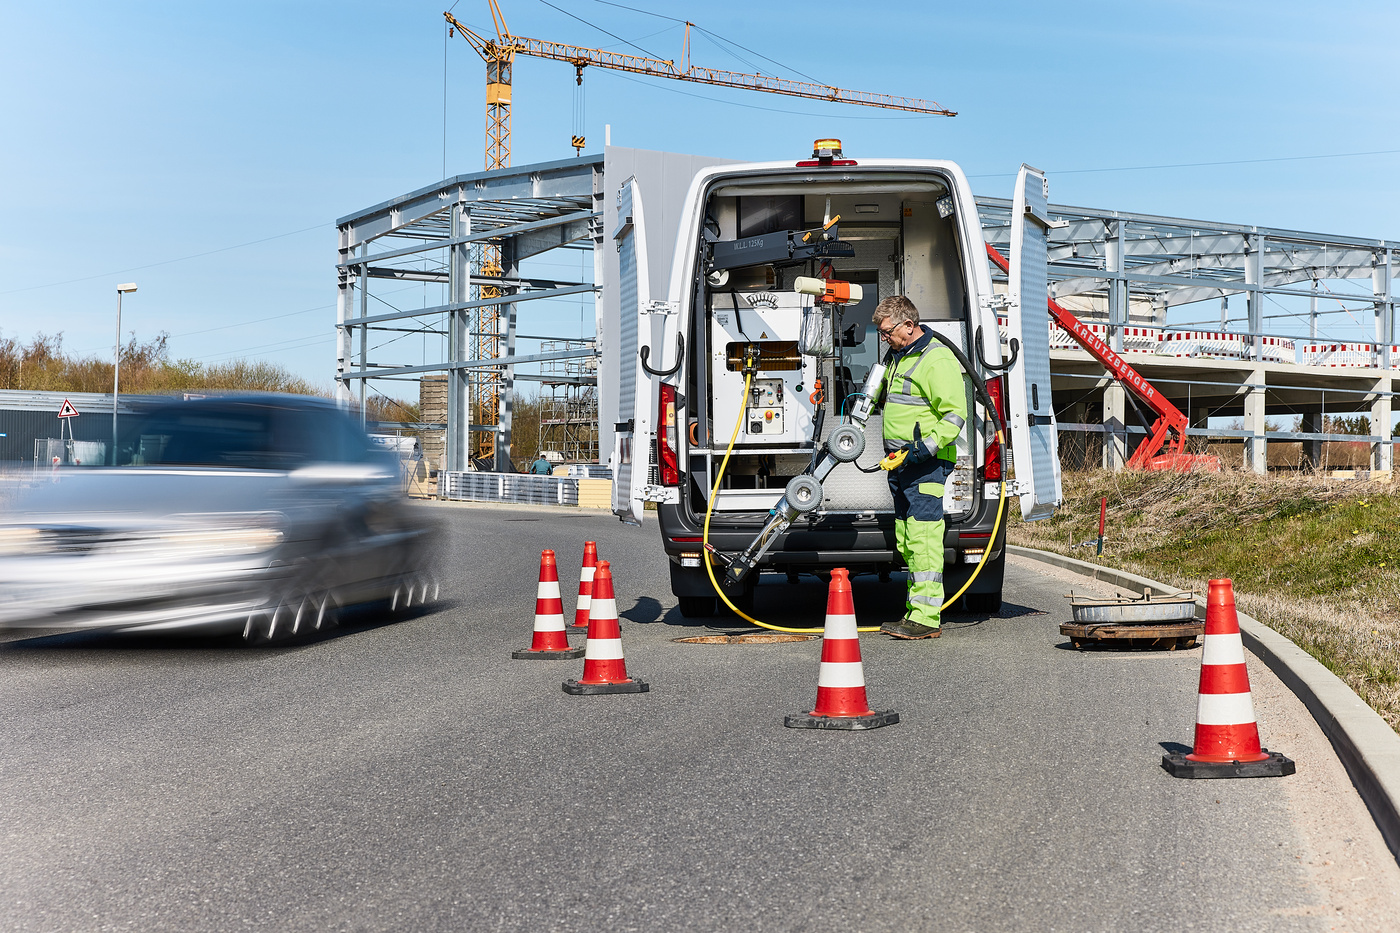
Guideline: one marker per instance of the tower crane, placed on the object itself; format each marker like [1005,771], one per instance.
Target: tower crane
[499,54]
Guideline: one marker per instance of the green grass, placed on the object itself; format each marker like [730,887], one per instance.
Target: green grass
[1315,558]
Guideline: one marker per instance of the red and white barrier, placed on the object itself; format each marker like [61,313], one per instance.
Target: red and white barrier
[1339,355]
[1203,344]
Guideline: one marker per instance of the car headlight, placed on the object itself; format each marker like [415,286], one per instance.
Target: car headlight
[222,541]
[17,540]
[223,534]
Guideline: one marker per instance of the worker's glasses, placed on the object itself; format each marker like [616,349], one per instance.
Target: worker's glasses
[886,332]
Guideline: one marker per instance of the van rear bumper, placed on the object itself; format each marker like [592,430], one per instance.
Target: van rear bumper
[868,542]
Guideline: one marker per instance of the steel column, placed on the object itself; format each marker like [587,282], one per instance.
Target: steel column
[1256,446]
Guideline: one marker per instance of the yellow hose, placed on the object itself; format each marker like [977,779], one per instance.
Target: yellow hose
[710,508]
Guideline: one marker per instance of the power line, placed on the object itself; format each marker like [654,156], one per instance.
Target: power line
[601,29]
[1147,168]
[712,35]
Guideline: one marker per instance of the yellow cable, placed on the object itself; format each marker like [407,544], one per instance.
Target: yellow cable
[710,509]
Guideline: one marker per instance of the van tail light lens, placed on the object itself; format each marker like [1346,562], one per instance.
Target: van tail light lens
[667,441]
[992,458]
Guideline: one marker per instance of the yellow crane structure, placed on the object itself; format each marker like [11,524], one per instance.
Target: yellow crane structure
[499,54]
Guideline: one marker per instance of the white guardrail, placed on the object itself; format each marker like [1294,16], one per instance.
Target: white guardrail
[525,488]
[1222,345]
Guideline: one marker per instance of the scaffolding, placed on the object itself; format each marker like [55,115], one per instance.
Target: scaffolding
[569,409]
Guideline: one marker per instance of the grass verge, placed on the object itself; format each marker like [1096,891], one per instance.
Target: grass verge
[1312,557]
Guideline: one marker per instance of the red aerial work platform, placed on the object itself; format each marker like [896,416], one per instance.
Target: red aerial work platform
[1169,428]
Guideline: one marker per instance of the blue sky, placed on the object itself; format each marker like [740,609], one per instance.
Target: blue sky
[204,151]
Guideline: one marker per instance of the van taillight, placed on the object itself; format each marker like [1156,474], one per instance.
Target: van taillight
[666,439]
[991,459]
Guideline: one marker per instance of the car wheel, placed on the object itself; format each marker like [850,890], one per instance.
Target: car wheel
[698,607]
[296,613]
[325,611]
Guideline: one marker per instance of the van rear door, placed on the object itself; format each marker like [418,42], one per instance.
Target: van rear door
[631,457]
[1034,438]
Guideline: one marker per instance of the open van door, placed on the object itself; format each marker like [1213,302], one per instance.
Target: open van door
[631,457]
[1034,438]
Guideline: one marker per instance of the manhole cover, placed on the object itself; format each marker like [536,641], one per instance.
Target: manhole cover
[758,638]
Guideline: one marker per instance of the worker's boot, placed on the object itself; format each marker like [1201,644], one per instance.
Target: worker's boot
[909,630]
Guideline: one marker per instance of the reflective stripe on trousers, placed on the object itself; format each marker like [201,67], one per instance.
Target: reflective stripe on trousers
[918,529]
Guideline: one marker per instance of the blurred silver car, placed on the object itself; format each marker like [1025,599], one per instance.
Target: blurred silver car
[262,515]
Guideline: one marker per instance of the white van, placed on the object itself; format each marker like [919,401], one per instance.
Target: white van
[747,232]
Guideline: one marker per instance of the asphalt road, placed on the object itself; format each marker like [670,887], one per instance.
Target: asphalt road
[411,776]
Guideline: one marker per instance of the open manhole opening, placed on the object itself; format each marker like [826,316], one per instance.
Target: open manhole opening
[753,638]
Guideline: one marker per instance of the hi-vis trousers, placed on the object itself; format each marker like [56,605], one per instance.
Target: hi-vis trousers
[918,531]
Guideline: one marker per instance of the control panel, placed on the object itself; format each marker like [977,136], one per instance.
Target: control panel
[765,413]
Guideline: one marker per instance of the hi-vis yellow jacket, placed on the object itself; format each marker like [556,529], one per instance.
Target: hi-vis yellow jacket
[923,386]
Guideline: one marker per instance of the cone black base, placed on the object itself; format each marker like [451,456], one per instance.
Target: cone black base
[525,654]
[849,723]
[1276,765]
[575,688]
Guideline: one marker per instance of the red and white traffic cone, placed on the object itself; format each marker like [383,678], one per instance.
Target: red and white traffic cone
[841,702]
[1227,734]
[604,668]
[550,642]
[585,584]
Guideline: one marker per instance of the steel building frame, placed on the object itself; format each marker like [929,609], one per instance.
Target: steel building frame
[1116,269]
[1124,270]
[437,235]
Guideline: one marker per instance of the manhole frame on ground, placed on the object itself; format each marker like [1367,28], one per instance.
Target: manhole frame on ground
[750,638]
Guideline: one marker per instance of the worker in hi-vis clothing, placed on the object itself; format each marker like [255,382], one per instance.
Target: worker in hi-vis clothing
[925,411]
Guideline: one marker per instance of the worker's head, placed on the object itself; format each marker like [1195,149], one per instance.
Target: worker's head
[897,320]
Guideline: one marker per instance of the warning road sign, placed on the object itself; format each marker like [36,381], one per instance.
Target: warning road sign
[66,410]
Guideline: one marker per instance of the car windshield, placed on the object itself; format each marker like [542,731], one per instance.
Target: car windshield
[246,435]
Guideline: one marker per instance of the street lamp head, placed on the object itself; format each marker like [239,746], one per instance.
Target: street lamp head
[128,288]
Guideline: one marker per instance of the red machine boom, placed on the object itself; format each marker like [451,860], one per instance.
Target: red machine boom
[1170,426]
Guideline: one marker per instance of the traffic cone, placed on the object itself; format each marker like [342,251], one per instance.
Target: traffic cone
[604,668]
[1227,735]
[550,643]
[585,584]
[841,702]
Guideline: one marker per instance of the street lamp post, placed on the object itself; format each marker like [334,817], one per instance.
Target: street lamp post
[117,364]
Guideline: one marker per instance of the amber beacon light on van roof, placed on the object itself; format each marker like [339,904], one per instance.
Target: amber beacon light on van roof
[825,152]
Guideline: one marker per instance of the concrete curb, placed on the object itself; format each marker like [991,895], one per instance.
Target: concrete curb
[1365,743]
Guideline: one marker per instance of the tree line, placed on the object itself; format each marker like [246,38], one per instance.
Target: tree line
[43,365]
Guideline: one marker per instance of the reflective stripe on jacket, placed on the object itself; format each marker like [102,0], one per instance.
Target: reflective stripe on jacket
[924,386]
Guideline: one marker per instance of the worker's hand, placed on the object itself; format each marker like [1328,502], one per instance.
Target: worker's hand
[894,459]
